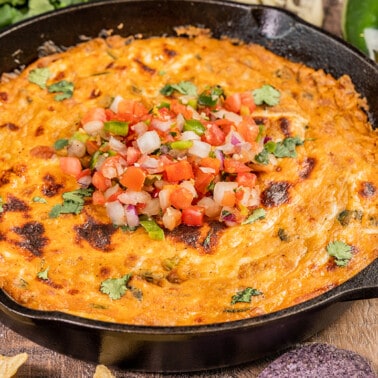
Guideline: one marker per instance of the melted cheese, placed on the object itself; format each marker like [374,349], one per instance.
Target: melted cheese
[181,280]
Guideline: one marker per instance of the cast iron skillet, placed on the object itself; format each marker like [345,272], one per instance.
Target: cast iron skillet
[190,348]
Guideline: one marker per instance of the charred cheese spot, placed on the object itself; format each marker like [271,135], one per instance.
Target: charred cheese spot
[145,67]
[14,204]
[4,96]
[307,167]
[186,234]
[40,130]
[277,193]
[42,152]
[50,187]
[367,190]
[169,52]
[98,235]
[33,239]
[285,126]
[10,126]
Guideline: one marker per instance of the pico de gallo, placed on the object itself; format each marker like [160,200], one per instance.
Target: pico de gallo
[186,159]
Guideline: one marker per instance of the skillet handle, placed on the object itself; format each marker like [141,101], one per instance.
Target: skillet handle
[362,286]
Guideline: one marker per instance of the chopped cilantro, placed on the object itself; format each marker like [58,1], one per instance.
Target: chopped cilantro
[39,76]
[154,231]
[256,215]
[210,96]
[262,157]
[341,251]
[115,287]
[286,148]
[73,203]
[266,94]
[39,199]
[43,274]
[60,144]
[346,216]
[245,295]
[183,87]
[64,89]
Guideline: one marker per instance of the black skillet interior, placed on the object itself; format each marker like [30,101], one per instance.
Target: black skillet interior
[189,348]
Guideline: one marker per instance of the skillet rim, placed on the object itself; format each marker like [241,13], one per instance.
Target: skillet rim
[327,298]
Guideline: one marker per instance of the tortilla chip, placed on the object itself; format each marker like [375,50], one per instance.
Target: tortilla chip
[10,365]
[103,372]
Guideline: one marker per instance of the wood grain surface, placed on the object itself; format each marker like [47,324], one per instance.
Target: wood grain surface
[356,329]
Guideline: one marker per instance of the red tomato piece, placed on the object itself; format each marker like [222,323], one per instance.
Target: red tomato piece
[235,166]
[181,198]
[233,103]
[214,135]
[94,114]
[246,179]
[178,171]
[133,178]
[248,129]
[70,165]
[193,215]
[100,182]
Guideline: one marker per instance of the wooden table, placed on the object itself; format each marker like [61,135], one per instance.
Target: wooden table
[356,330]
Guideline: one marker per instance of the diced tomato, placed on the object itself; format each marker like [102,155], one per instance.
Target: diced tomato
[133,178]
[235,166]
[224,124]
[98,198]
[246,179]
[202,181]
[193,215]
[114,196]
[94,114]
[229,198]
[210,162]
[178,108]
[214,135]
[233,103]
[100,182]
[181,198]
[247,101]
[248,129]
[91,146]
[181,170]
[132,155]
[70,165]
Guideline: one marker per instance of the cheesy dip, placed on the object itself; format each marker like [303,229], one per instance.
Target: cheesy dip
[181,181]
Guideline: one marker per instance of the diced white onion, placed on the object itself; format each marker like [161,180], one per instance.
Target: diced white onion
[139,128]
[200,149]
[230,116]
[207,169]
[189,186]
[149,142]
[117,145]
[110,191]
[221,187]
[161,125]
[76,148]
[180,121]
[93,127]
[152,207]
[116,212]
[115,103]
[132,197]
[151,164]
[171,218]
[132,218]
[189,135]
[85,180]
[164,198]
[212,209]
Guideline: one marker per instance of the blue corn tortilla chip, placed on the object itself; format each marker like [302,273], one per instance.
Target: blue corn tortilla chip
[318,361]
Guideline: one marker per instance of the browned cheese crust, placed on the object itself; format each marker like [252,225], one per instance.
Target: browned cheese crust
[191,276]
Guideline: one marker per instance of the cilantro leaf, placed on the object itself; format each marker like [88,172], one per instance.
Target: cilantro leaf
[73,202]
[39,199]
[266,94]
[245,295]
[43,274]
[183,87]
[60,144]
[341,251]
[286,148]
[210,96]
[64,89]
[115,287]
[39,76]
[256,215]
